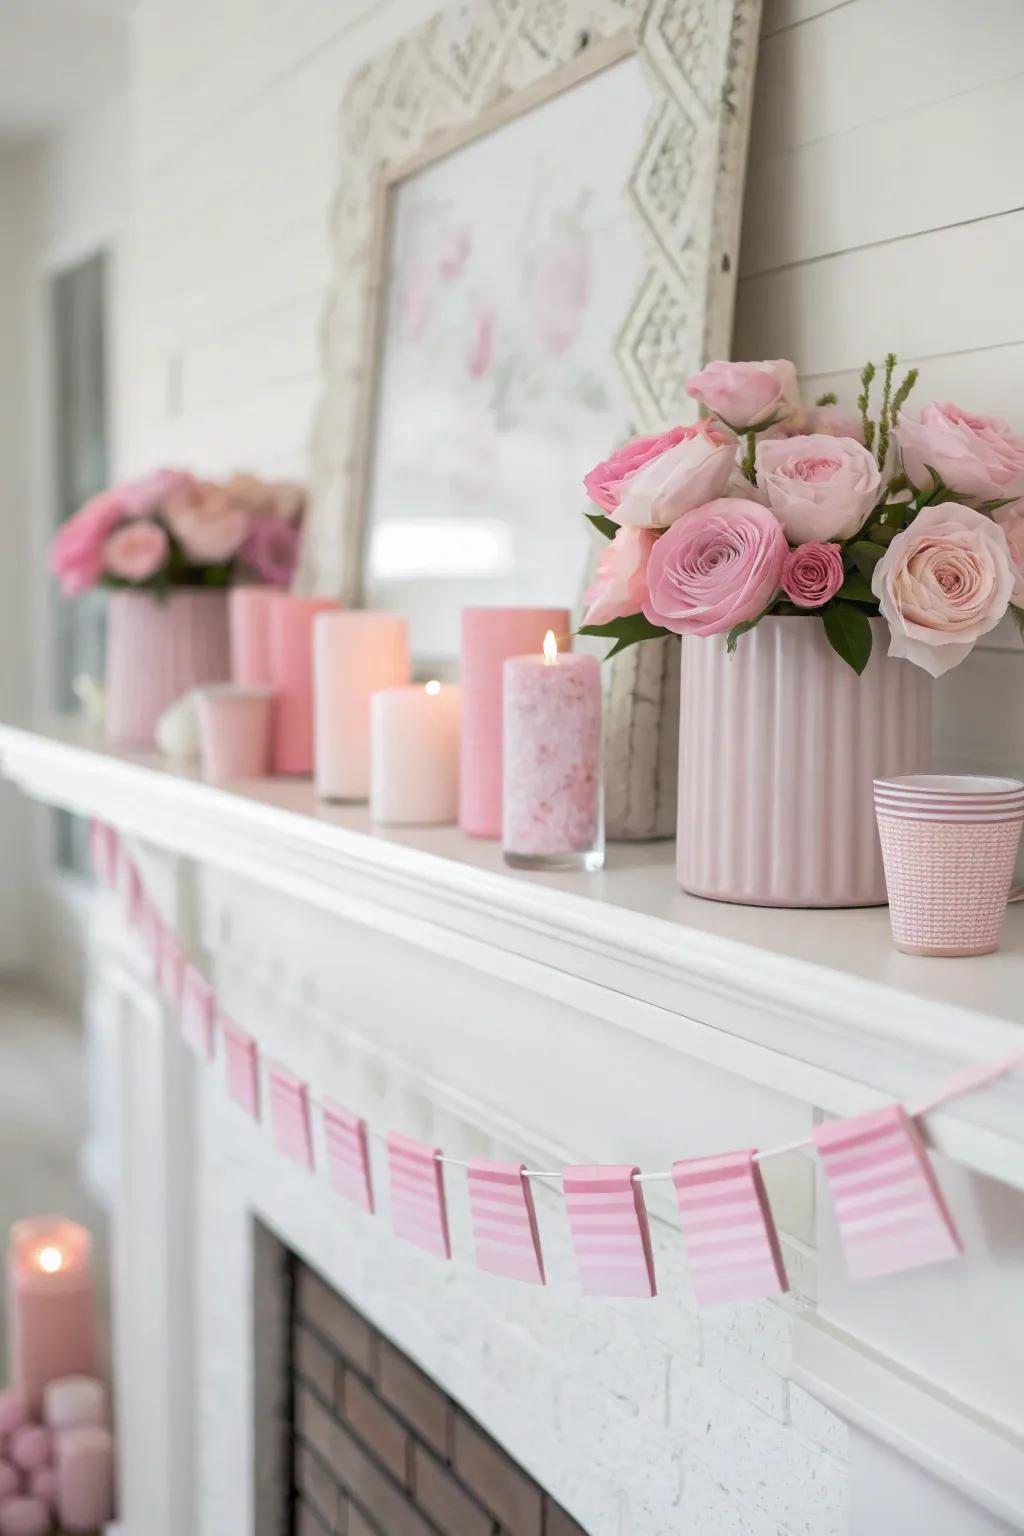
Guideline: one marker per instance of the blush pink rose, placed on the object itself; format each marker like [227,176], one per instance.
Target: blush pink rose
[1011,521]
[620,585]
[719,566]
[976,456]
[136,550]
[825,421]
[207,523]
[812,574]
[819,487]
[76,553]
[607,480]
[943,583]
[271,548]
[693,471]
[747,395]
[143,497]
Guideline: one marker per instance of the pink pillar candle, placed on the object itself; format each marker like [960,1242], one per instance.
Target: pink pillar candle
[249,622]
[354,655]
[291,677]
[414,752]
[489,637]
[552,761]
[85,1477]
[51,1310]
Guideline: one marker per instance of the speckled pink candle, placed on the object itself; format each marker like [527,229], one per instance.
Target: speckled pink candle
[552,762]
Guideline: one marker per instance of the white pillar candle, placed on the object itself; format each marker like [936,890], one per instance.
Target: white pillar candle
[74,1400]
[552,811]
[414,751]
[85,1477]
[354,656]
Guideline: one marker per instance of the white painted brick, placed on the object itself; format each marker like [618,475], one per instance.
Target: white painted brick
[758,1382]
[816,1423]
[760,1329]
[710,1508]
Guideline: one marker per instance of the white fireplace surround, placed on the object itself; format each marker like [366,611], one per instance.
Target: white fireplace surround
[557,1019]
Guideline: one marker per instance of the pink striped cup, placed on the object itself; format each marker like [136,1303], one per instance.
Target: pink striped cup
[234,732]
[949,843]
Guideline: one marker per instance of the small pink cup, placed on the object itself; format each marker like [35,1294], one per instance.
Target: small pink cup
[949,844]
[234,733]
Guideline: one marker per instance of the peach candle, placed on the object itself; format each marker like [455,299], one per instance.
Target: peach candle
[552,761]
[414,755]
[51,1311]
[354,656]
[249,623]
[291,677]
[85,1477]
[489,637]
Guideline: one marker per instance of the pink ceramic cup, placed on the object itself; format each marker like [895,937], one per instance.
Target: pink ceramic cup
[234,733]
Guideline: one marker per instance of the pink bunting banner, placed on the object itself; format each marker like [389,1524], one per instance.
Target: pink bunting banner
[418,1210]
[130,884]
[171,967]
[348,1162]
[152,936]
[289,1117]
[198,1011]
[242,1067]
[888,1204]
[504,1221]
[103,846]
[608,1222]
[731,1242]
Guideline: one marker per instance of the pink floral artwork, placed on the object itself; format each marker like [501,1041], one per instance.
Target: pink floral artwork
[481,347]
[559,292]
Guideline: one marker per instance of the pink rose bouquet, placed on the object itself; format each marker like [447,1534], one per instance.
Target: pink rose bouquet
[169,529]
[770,506]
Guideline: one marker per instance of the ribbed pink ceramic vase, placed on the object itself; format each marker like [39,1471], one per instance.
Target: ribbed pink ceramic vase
[157,649]
[779,746]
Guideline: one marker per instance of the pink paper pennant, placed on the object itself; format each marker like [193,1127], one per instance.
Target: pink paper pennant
[348,1161]
[103,844]
[198,1011]
[504,1221]
[243,1067]
[289,1117]
[152,925]
[130,883]
[888,1203]
[171,967]
[418,1210]
[608,1221]
[731,1241]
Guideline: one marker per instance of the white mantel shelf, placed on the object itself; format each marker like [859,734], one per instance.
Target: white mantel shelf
[814,1004]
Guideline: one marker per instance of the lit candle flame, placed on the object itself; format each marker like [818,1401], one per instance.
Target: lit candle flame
[50,1260]
[550,648]
[433,687]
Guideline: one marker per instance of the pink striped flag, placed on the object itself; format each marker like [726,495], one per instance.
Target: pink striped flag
[888,1203]
[103,844]
[348,1161]
[608,1222]
[418,1211]
[130,882]
[171,967]
[198,1009]
[152,936]
[731,1241]
[289,1116]
[504,1221]
[243,1067]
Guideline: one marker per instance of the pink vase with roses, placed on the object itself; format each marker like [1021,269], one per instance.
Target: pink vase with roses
[821,571]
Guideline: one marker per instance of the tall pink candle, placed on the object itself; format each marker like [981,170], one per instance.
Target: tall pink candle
[354,656]
[489,637]
[249,621]
[51,1309]
[291,677]
[552,761]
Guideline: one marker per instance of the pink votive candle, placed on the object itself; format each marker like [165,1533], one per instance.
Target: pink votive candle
[354,656]
[489,637]
[234,732]
[291,677]
[51,1310]
[85,1477]
[249,621]
[552,761]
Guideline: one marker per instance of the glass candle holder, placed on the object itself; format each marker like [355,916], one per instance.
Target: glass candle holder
[552,801]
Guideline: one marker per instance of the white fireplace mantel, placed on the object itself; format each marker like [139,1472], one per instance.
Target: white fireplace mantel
[817,1005]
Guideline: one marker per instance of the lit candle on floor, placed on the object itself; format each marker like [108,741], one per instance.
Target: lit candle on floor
[51,1310]
[414,755]
[552,811]
[354,656]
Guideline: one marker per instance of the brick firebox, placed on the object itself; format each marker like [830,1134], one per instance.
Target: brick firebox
[378,1449]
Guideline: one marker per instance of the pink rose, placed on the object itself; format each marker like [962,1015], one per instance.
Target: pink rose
[942,583]
[207,523]
[719,566]
[271,549]
[690,473]
[819,487]
[136,550]
[620,585]
[264,498]
[826,421]
[976,456]
[1011,521]
[143,497]
[76,554]
[746,395]
[812,574]
[606,481]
